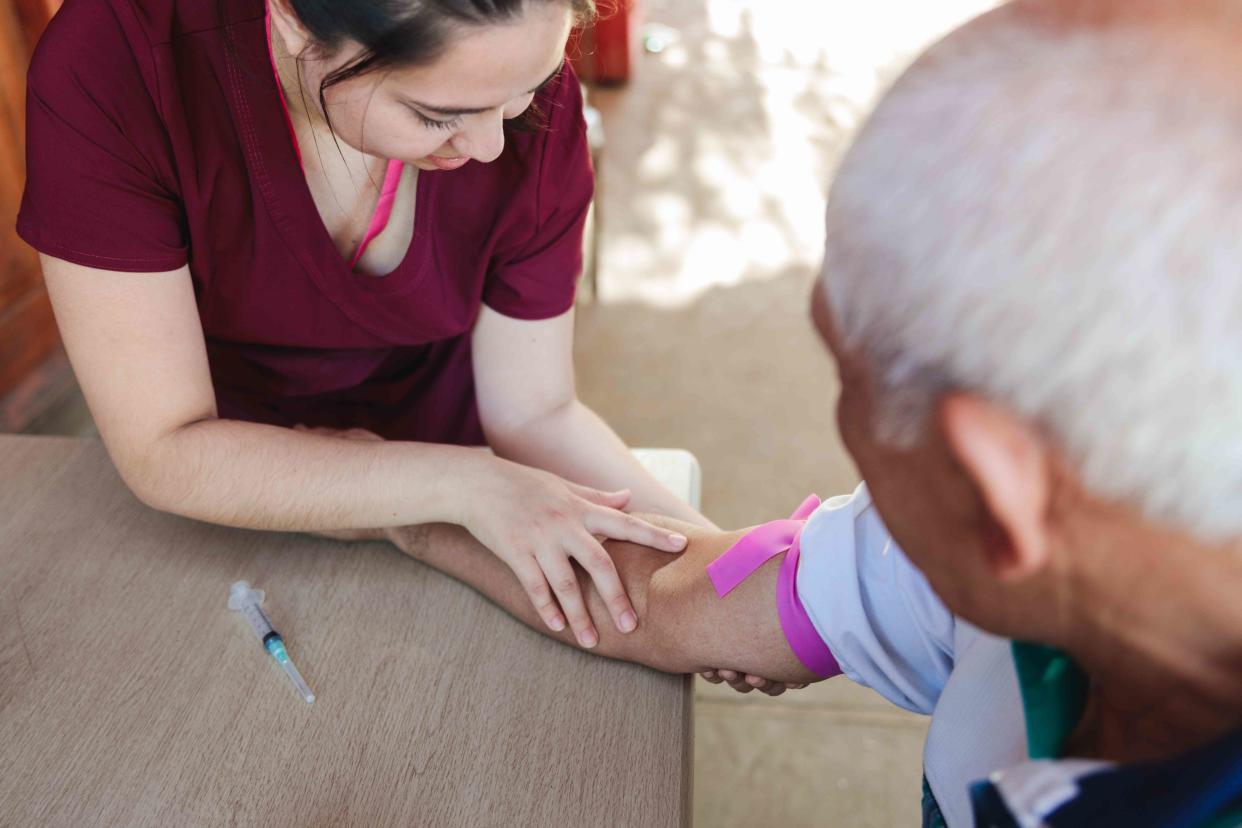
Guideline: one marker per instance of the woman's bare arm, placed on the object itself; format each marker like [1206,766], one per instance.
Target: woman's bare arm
[528,404]
[137,347]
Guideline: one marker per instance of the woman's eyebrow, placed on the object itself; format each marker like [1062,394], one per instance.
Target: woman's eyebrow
[470,110]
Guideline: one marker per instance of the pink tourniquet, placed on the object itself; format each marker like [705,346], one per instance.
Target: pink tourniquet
[392,175]
[753,550]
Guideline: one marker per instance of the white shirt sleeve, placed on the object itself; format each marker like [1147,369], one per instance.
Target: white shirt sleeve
[872,607]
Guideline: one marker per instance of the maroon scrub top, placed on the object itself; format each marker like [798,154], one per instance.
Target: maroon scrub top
[156,138]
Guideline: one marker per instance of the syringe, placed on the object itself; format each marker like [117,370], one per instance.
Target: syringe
[246,601]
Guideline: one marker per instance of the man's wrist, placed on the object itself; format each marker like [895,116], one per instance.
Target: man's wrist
[412,540]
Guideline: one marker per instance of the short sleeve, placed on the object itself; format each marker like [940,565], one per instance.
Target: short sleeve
[537,279]
[873,608]
[99,173]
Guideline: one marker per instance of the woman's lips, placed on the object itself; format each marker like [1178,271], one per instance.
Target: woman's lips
[447,163]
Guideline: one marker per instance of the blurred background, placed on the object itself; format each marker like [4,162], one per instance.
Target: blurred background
[722,121]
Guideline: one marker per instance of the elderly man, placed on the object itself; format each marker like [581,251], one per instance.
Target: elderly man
[1033,293]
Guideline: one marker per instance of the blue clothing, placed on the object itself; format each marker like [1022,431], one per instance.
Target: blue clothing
[995,705]
[1202,789]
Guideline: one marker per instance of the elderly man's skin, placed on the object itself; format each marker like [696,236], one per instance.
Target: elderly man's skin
[987,507]
[684,626]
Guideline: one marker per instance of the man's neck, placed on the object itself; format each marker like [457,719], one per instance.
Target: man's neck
[1154,619]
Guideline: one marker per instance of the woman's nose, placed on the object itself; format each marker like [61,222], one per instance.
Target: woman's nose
[483,139]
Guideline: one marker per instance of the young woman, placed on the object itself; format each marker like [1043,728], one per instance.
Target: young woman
[338,214]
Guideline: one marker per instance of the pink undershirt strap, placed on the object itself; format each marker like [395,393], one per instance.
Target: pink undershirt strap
[752,551]
[392,174]
[383,207]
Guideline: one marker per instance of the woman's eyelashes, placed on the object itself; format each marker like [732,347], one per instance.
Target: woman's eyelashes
[433,123]
[516,108]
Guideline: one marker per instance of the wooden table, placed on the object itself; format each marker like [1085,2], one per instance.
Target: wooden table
[130,695]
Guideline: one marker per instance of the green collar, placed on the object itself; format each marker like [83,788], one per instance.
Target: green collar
[1054,694]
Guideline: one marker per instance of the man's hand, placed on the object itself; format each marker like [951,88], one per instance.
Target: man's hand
[746,683]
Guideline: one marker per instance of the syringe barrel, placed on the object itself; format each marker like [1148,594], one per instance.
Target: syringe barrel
[257,620]
[246,601]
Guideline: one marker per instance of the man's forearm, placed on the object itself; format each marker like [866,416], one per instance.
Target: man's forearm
[454,552]
[683,626]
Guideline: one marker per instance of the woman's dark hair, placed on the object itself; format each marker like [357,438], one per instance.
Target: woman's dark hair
[403,32]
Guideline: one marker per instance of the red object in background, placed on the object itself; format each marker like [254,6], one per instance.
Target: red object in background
[604,52]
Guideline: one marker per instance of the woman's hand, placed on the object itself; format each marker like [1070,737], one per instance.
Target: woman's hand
[537,523]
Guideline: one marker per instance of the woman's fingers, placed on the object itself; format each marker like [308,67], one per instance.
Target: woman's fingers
[536,587]
[613,500]
[710,675]
[564,583]
[598,564]
[619,526]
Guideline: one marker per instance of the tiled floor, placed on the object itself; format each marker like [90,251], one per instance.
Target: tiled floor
[712,197]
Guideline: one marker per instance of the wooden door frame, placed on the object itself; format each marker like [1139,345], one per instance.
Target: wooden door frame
[38,373]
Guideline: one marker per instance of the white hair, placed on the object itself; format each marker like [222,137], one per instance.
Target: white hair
[1049,214]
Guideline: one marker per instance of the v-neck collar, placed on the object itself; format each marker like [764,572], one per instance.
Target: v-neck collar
[254,97]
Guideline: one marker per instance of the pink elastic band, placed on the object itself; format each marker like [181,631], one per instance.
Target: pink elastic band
[383,207]
[752,551]
[392,175]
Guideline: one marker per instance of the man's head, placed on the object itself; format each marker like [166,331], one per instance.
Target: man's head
[1033,285]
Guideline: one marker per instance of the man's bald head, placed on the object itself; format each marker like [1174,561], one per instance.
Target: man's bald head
[1047,210]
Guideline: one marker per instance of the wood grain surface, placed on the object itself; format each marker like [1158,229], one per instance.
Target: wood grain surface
[130,695]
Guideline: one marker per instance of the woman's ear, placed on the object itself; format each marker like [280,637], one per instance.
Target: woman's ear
[287,28]
[1006,460]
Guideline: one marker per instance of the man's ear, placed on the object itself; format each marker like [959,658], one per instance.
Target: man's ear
[1007,463]
[288,28]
